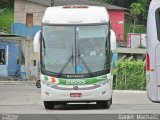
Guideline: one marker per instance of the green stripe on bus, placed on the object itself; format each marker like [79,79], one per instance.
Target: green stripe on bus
[81,81]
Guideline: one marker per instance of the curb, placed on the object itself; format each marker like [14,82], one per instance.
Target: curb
[17,82]
[129,91]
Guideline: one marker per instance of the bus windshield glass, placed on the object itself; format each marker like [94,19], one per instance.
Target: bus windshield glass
[75,49]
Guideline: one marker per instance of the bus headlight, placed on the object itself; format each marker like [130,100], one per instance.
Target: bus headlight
[48,84]
[104,82]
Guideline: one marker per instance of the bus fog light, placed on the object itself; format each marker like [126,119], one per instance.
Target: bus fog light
[103,93]
[47,93]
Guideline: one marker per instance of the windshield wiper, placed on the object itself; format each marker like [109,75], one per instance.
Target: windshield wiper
[42,64]
[44,45]
[85,65]
[65,65]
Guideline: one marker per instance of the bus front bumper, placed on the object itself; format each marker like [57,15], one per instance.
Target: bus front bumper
[97,94]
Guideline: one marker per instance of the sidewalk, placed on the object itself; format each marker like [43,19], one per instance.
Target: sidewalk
[130,91]
[17,82]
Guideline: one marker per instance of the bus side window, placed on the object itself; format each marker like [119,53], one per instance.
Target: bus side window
[158,22]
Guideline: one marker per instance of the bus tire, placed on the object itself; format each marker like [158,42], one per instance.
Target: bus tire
[38,84]
[63,103]
[105,104]
[49,104]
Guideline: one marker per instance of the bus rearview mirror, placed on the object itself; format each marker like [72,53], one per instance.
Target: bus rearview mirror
[113,40]
[36,42]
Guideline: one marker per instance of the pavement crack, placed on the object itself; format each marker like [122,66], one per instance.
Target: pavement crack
[27,99]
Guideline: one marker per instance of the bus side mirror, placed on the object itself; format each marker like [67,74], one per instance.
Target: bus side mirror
[36,42]
[113,40]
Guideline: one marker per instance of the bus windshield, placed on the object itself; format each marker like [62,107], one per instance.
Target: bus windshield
[75,49]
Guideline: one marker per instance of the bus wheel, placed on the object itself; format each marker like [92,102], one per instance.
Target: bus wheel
[38,84]
[104,104]
[49,104]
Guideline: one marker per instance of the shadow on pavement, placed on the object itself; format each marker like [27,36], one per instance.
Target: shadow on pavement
[77,107]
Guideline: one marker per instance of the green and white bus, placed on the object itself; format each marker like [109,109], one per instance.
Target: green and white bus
[75,54]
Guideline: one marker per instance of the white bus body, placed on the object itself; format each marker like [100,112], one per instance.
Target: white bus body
[67,75]
[153,51]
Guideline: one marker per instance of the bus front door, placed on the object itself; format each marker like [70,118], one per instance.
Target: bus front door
[158,71]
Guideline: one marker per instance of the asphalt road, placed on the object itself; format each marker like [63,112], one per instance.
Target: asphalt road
[26,99]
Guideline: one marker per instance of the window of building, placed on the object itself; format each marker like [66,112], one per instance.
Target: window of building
[34,62]
[158,22]
[29,20]
[2,56]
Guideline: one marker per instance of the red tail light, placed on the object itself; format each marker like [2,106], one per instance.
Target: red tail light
[66,6]
[147,62]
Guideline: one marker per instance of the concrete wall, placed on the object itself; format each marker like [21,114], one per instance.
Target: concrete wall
[11,48]
[22,30]
[30,70]
[21,8]
[27,69]
[33,56]
[3,70]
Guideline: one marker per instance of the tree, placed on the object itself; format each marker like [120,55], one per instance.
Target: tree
[6,3]
[144,8]
[2,10]
[106,1]
[135,11]
[124,3]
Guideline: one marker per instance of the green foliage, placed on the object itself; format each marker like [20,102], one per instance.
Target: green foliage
[135,9]
[105,1]
[128,26]
[144,8]
[138,28]
[140,9]
[6,20]
[130,75]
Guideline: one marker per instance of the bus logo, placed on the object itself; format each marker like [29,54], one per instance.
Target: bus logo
[75,87]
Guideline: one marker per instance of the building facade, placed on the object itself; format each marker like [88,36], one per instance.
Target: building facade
[10,56]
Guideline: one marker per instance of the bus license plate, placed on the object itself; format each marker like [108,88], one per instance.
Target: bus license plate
[75,94]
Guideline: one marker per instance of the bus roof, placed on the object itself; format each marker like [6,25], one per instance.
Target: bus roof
[75,14]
